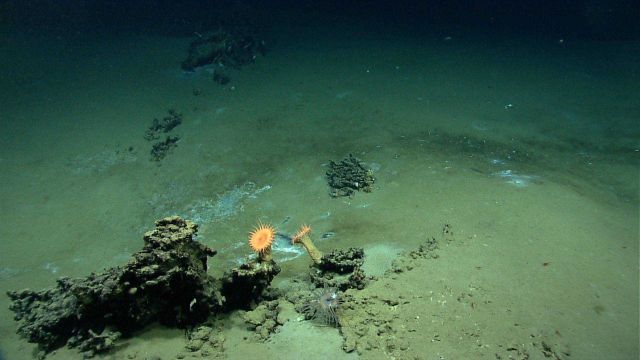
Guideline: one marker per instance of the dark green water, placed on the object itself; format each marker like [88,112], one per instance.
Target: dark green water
[517,124]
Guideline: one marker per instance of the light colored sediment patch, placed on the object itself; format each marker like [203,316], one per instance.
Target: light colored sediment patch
[378,258]
[395,317]
[304,337]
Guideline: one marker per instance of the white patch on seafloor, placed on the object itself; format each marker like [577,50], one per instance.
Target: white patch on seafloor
[284,250]
[225,206]
[379,258]
[516,180]
[375,167]
[343,94]
[244,259]
[51,267]
[7,272]
[259,191]
[480,125]
[100,162]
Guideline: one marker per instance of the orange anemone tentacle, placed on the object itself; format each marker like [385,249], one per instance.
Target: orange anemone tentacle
[304,230]
[261,238]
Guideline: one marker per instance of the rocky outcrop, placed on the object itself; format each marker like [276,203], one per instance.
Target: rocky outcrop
[166,282]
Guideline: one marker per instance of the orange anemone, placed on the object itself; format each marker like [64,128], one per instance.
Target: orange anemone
[261,237]
[304,230]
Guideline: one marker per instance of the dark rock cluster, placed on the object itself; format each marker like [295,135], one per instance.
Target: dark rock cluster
[233,47]
[160,149]
[158,129]
[340,269]
[348,176]
[164,125]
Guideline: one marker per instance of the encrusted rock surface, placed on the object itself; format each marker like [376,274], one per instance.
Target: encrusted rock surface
[206,341]
[242,286]
[232,47]
[166,281]
[267,317]
[340,269]
[163,126]
[348,176]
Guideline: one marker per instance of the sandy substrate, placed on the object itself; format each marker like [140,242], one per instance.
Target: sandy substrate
[541,196]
